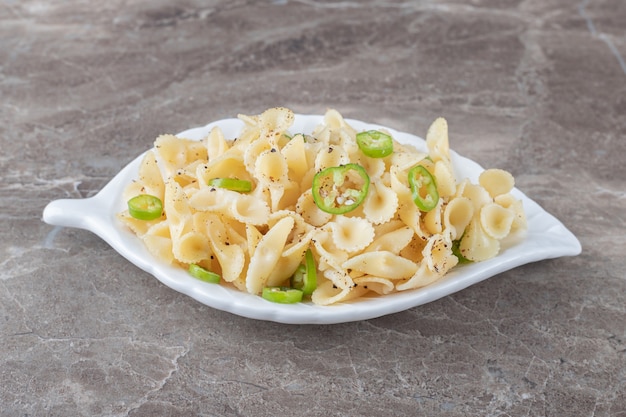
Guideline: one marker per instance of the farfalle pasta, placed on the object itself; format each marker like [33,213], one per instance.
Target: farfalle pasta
[361,213]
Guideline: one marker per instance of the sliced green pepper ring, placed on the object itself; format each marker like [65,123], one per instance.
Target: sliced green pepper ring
[233,184]
[374,143]
[203,274]
[339,190]
[145,207]
[305,277]
[423,188]
[282,295]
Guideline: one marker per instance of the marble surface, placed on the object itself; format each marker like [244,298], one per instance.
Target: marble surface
[537,87]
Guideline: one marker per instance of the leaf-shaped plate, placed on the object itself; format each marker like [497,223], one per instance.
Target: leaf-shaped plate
[546,238]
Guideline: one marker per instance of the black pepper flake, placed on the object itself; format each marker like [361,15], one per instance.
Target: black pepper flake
[273,150]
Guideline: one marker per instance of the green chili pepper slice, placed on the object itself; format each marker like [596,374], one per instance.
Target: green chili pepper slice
[456,251]
[145,207]
[339,190]
[203,274]
[305,277]
[423,188]
[282,295]
[234,184]
[374,143]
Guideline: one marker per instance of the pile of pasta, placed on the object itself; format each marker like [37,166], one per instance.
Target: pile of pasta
[258,239]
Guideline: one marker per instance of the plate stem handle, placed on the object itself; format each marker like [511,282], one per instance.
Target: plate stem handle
[70,212]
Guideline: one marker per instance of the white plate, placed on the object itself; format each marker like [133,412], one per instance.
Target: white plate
[546,238]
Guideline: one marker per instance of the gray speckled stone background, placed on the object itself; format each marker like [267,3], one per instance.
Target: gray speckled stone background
[537,87]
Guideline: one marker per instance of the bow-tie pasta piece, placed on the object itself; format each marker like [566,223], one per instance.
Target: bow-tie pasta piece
[149,180]
[191,247]
[381,203]
[516,206]
[383,264]
[378,285]
[312,214]
[496,220]
[230,164]
[457,215]
[351,234]
[176,153]
[329,255]
[392,241]
[437,260]
[267,254]
[496,181]
[159,242]
[476,245]
[271,172]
